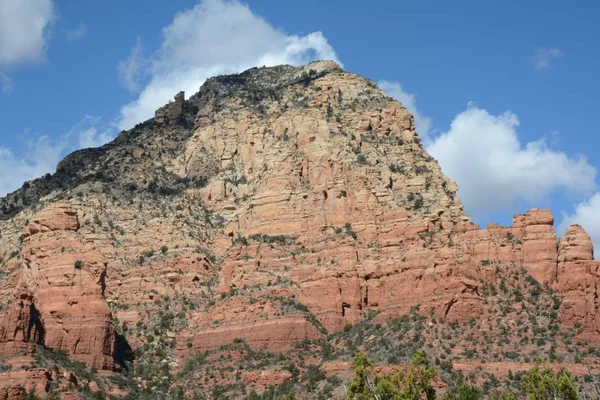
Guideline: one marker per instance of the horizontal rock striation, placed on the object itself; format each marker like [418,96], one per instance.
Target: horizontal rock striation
[61,302]
[273,207]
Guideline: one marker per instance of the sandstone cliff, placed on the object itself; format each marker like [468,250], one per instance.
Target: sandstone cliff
[282,210]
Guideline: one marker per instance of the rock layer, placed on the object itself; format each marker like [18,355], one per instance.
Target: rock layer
[62,304]
[273,208]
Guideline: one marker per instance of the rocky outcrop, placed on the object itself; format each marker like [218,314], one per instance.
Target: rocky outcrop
[59,217]
[340,281]
[15,385]
[264,379]
[61,301]
[22,327]
[171,111]
[276,208]
[578,279]
[27,378]
[277,335]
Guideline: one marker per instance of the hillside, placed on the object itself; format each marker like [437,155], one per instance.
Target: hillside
[252,238]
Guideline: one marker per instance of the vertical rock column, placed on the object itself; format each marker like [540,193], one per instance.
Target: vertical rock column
[536,230]
[62,302]
[578,280]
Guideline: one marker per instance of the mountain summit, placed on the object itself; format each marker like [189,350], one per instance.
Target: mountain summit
[253,237]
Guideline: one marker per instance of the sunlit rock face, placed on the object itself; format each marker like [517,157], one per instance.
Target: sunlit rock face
[273,207]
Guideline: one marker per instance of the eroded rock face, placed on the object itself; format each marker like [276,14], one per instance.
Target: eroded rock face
[59,217]
[338,167]
[172,110]
[578,279]
[274,207]
[22,327]
[15,385]
[62,304]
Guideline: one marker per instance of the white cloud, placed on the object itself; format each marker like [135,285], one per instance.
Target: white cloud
[77,33]
[130,69]
[543,57]
[394,89]
[483,154]
[40,157]
[86,134]
[215,37]
[24,30]
[586,214]
[92,138]
[5,83]
[42,153]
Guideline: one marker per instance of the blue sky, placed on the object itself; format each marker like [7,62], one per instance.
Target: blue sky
[505,93]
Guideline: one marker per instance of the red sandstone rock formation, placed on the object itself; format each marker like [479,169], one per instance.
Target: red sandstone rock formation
[305,211]
[61,302]
[578,279]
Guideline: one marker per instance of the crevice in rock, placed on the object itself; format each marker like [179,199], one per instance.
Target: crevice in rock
[344,306]
[35,331]
[449,306]
[390,185]
[103,280]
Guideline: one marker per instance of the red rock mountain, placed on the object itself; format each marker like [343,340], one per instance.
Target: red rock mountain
[262,230]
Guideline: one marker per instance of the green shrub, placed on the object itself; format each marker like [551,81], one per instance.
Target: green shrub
[312,377]
[148,253]
[361,159]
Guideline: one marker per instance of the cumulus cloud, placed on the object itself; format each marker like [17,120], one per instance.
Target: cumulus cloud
[587,215]
[483,154]
[24,30]
[91,137]
[87,134]
[40,157]
[395,90]
[77,33]
[543,57]
[130,69]
[42,153]
[493,169]
[214,37]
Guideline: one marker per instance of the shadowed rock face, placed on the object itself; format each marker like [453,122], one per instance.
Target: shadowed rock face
[61,293]
[274,206]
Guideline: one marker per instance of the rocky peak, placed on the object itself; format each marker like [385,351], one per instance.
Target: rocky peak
[339,134]
[534,216]
[262,79]
[576,244]
[274,207]
[172,110]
